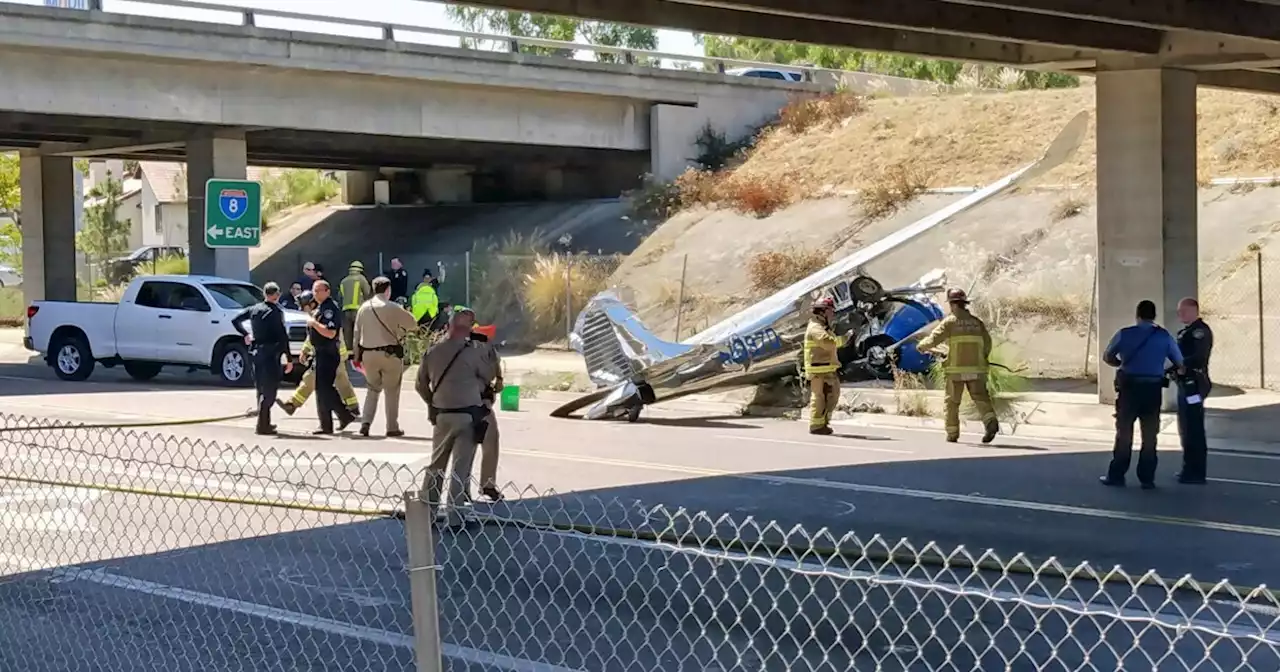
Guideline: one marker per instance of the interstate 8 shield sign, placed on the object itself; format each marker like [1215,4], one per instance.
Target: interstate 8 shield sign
[232,213]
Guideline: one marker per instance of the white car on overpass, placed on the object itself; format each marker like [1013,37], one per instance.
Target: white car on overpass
[161,320]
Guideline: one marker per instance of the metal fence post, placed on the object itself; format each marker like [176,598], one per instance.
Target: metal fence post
[466,261]
[422,584]
[684,268]
[1093,309]
[568,296]
[1262,331]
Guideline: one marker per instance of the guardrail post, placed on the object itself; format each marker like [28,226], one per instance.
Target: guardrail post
[629,57]
[720,67]
[248,19]
[418,520]
[95,5]
[513,46]
[389,33]
[1262,331]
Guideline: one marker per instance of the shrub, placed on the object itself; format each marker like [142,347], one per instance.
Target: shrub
[802,114]
[716,151]
[654,200]
[891,190]
[549,302]
[755,195]
[774,270]
[698,187]
[293,187]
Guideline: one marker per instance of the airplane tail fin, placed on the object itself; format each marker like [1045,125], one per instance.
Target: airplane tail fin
[615,344]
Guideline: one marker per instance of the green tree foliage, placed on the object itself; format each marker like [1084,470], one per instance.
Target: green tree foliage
[10,187]
[896,65]
[542,26]
[104,234]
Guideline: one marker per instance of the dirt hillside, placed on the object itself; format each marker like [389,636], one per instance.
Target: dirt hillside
[1031,252]
[973,139]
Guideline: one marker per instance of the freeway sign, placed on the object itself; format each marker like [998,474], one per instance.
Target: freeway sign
[232,213]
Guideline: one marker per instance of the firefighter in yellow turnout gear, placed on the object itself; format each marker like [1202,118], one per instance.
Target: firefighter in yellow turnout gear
[968,351]
[307,385]
[821,362]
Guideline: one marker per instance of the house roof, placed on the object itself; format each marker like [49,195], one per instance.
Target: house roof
[169,179]
[129,189]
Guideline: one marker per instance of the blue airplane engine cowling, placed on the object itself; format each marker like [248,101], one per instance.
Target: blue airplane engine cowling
[910,317]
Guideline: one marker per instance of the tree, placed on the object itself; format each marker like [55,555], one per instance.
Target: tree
[542,26]
[881,63]
[104,235]
[10,185]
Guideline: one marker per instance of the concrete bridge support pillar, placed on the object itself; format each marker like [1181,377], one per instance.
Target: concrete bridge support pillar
[673,135]
[217,156]
[48,187]
[357,186]
[1147,207]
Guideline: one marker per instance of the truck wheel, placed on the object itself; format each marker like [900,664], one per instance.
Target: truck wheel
[71,358]
[142,370]
[232,365]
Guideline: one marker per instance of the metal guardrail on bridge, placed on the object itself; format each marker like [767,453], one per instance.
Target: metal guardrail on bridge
[390,31]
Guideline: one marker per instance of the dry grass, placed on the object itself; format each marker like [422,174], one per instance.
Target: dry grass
[755,194]
[892,189]
[977,138]
[804,114]
[910,395]
[1071,206]
[547,298]
[1062,311]
[772,270]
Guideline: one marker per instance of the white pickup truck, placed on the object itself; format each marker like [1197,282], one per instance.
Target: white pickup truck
[182,320]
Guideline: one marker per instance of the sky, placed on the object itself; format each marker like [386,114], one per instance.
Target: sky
[406,12]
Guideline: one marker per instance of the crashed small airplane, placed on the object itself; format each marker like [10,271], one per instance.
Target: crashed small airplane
[632,367]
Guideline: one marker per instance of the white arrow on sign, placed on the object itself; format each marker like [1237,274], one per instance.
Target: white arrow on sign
[215,231]
[68,518]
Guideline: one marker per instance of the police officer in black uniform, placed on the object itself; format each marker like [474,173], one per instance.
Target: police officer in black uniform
[1196,343]
[325,326]
[268,341]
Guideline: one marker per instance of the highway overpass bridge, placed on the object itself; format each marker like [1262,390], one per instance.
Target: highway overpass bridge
[89,83]
[1148,57]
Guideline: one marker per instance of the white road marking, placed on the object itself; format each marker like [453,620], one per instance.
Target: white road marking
[815,444]
[67,518]
[331,626]
[1237,481]
[1104,607]
[323,458]
[1080,442]
[211,487]
[1041,507]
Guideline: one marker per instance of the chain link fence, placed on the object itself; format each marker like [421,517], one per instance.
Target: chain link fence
[138,551]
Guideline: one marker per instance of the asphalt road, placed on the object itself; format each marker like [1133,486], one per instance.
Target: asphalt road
[93,579]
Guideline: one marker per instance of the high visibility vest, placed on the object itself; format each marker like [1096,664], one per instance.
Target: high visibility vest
[820,349]
[424,302]
[966,338]
[351,299]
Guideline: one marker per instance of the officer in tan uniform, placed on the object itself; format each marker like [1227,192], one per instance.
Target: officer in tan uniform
[380,328]
[451,380]
[489,446]
[821,362]
[968,350]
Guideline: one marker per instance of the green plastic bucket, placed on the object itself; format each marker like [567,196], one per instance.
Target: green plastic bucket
[510,399]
